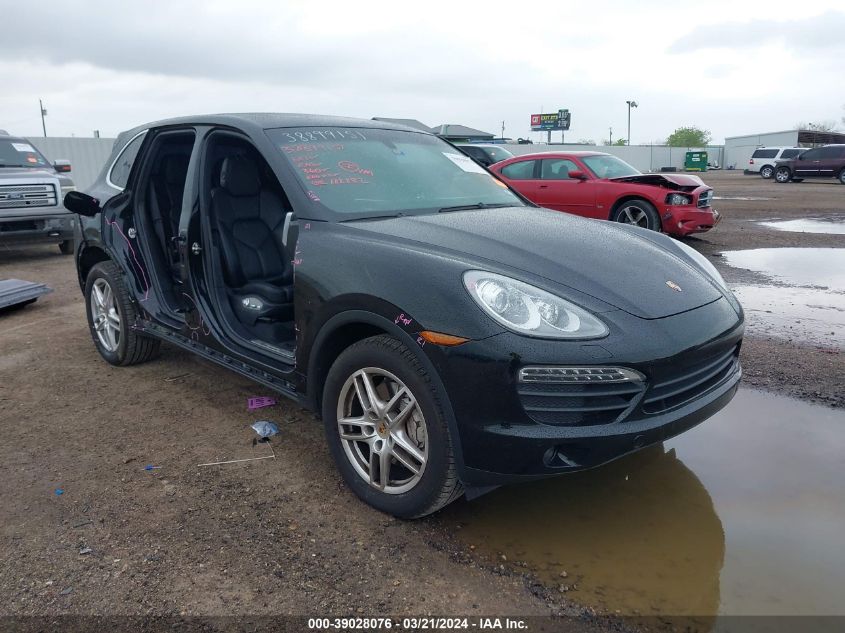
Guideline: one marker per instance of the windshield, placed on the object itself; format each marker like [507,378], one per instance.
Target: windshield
[498,153]
[605,166]
[361,172]
[19,153]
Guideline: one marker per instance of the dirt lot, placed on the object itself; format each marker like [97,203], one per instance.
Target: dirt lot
[276,536]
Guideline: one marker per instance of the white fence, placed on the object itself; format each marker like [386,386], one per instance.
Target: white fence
[86,155]
[644,157]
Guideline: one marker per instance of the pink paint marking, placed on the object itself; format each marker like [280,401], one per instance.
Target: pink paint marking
[405,320]
[135,257]
[421,341]
[259,402]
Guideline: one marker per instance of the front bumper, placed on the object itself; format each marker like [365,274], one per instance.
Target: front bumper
[686,219]
[25,229]
[690,367]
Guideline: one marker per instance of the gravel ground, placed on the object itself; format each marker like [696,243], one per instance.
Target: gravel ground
[279,536]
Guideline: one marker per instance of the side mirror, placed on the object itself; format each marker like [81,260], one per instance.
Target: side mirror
[62,166]
[82,203]
[577,175]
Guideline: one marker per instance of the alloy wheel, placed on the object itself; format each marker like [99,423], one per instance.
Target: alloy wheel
[782,175]
[767,172]
[104,315]
[382,430]
[633,215]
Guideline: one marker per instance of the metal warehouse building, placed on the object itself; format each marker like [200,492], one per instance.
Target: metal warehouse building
[738,149]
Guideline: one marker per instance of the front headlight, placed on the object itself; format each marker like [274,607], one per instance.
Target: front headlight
[678,198]
[704,263]
[530,311]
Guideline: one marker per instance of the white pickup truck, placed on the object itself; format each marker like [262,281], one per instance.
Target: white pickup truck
[31,194]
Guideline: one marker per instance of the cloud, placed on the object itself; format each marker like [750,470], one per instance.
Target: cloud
[112,65]
[814,34]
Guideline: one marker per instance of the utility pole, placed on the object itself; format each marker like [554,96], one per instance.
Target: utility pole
[631,104]
[503,130]
[43,114]
[610,142]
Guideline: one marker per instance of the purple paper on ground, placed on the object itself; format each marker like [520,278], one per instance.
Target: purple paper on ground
[258,402]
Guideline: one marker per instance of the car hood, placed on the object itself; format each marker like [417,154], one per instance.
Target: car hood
[607,261]
[27,172]
[682,182]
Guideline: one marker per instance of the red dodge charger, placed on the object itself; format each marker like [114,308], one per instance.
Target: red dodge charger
[597,185]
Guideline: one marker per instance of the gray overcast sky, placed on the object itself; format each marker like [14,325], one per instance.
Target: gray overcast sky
[726,66]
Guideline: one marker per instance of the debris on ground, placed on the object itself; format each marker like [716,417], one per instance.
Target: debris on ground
[17,292]
[259,402]
[265,428]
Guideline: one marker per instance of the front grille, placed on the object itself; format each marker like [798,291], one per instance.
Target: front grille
[23,196]
[705,198]
[693,382]
[583,404]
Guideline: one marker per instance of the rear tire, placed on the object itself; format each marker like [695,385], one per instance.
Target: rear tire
[767,171]
[396,457]
[111,315]
[783,174]
[66,247]
[841,177]
[638,213]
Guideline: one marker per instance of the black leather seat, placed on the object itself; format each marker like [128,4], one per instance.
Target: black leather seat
[167,189]
[250,221]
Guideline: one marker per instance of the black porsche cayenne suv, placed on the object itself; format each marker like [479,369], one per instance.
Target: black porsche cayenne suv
[451,335]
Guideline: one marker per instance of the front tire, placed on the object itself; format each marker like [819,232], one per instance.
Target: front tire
[66,247]
[637,213]
[386,429]
[111,315]
[783,174]
[767,171]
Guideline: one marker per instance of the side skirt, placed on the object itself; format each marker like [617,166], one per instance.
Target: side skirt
[279,385]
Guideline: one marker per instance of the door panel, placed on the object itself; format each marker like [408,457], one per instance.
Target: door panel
[524,177]
[121,237]
[560,192]
[807,165]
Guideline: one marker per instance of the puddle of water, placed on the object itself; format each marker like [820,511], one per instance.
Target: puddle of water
[797,266]
[742,515]
[801,314]
[810,308]
[740,198]
[830,225]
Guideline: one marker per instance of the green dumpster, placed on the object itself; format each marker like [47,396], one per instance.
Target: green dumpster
[695,161]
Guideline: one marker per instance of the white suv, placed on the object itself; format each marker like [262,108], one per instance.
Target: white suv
[764,158]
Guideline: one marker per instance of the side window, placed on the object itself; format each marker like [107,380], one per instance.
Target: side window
[812,154]
[473,151]
[119,174]
[831,151]
[765,153]
[523,170]
[557,168]
[791,153]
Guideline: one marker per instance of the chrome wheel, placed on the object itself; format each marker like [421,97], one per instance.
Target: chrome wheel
[782,175]
[382,430]
[104,315]
[633,215]
[767,172]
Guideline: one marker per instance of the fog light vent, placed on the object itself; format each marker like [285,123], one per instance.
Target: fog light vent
[579,375]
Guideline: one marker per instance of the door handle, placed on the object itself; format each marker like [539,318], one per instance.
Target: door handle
[544,186]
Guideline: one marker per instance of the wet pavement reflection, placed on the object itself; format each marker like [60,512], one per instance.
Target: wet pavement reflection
[834,224]
[805,301]
[745,514]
